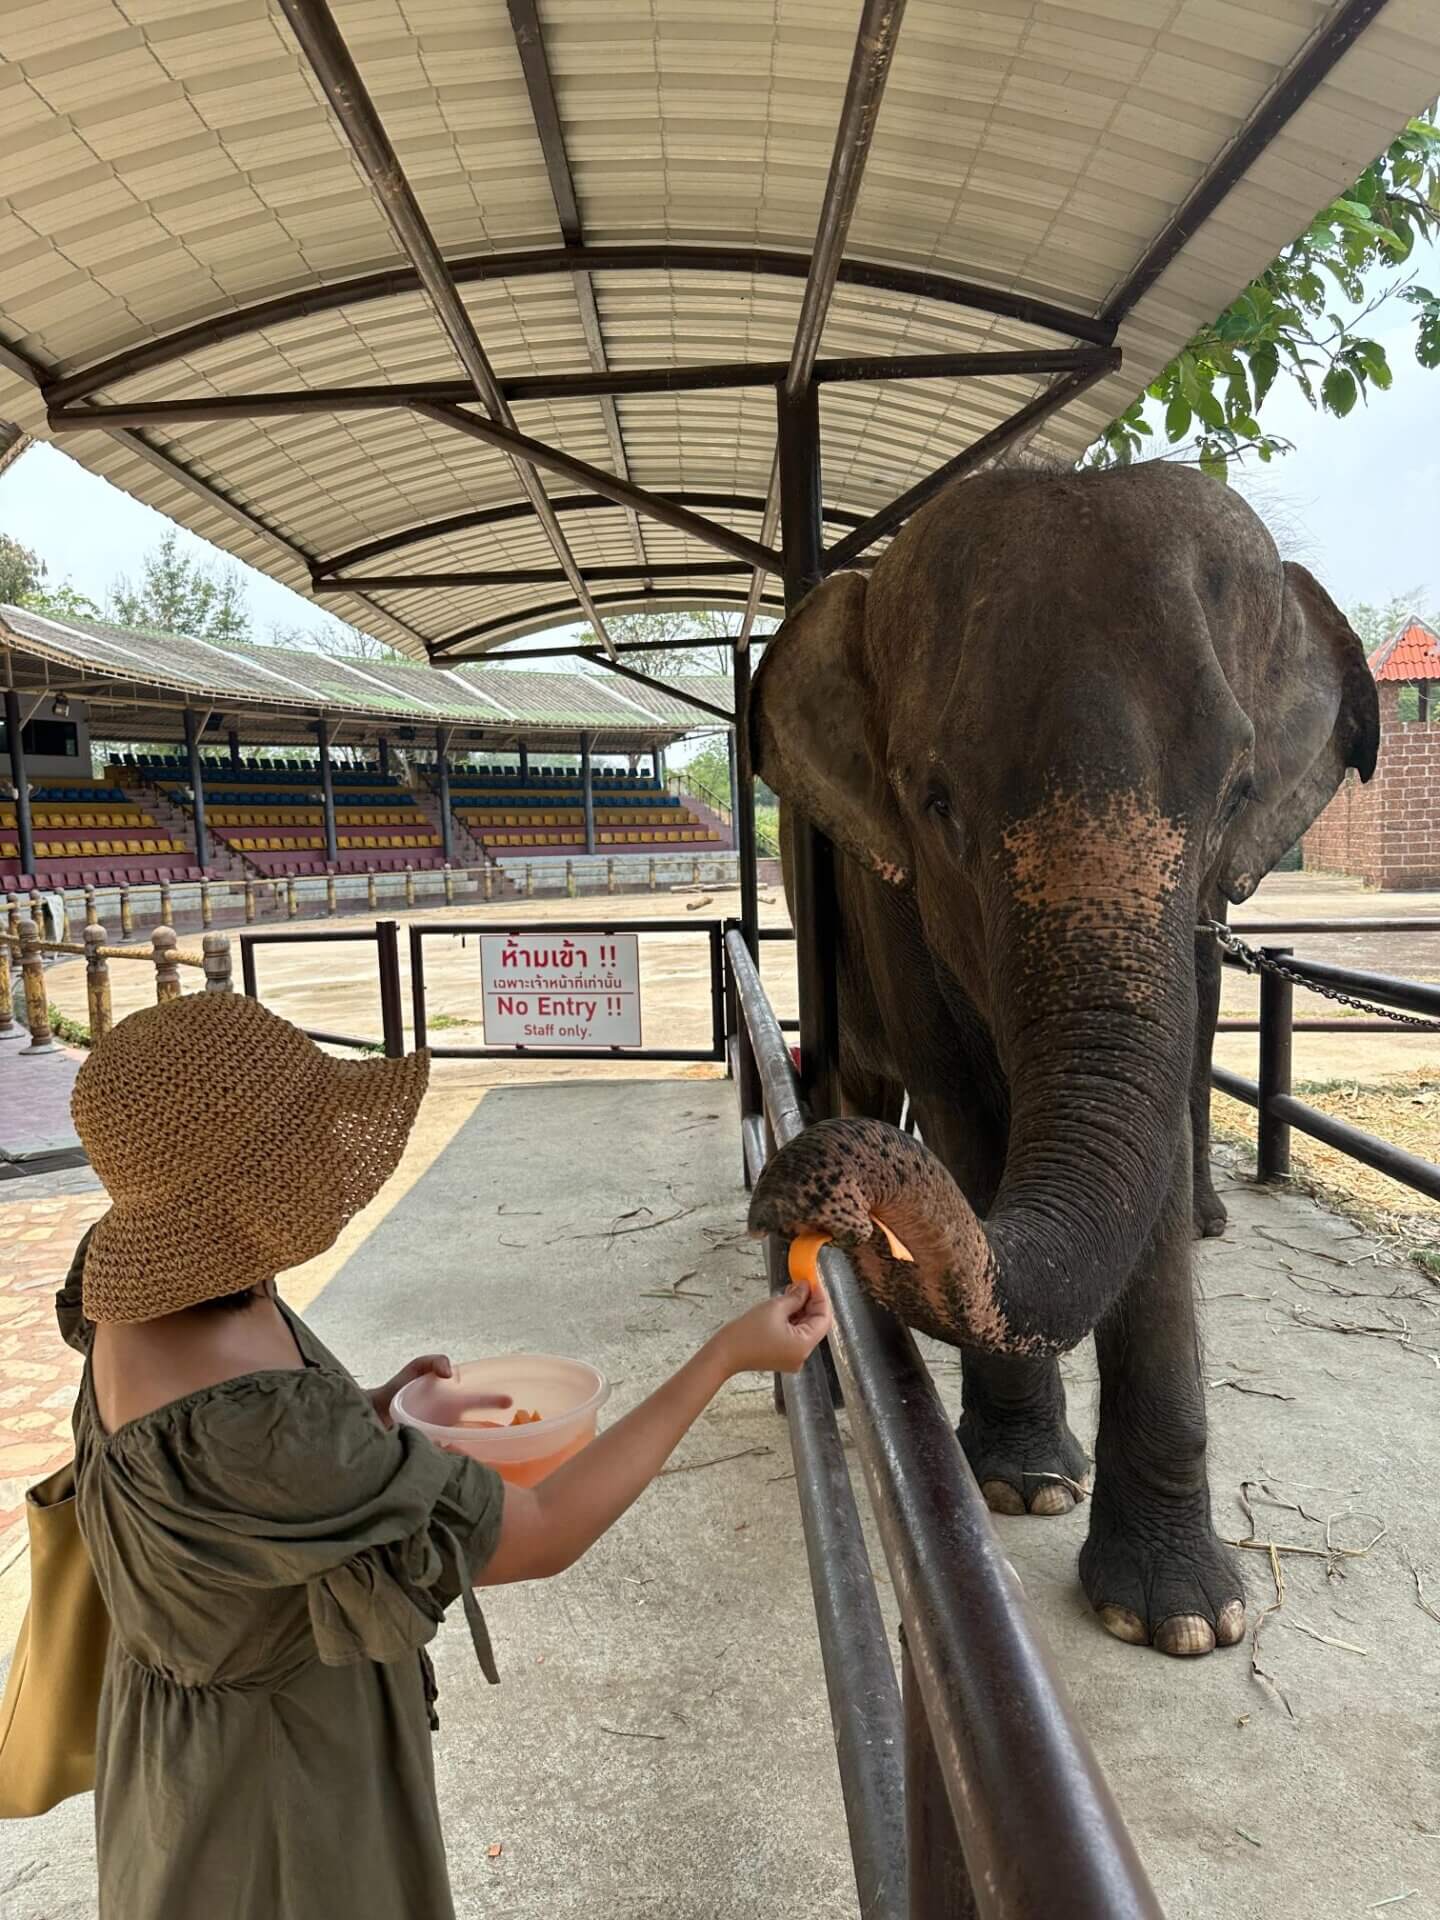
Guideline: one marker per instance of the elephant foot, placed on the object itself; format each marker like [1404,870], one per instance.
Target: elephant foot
[1163,1579]
[1211,1217]
[1025,1464]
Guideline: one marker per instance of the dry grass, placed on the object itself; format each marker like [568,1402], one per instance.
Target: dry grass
[1404,1109]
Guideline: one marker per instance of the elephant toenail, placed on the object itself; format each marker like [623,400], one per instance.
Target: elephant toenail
[1230,1627]
[1185,1635]
[1000,1497]
[1124,1624]
[1052,1499]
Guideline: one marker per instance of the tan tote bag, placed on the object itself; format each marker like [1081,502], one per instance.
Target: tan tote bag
[52,1698]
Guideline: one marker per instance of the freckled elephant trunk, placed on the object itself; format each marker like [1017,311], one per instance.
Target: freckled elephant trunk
[1098,1098]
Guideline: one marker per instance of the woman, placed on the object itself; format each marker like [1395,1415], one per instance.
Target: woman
[273,1553]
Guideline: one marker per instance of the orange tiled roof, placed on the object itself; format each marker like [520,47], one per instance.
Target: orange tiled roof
[1412,653]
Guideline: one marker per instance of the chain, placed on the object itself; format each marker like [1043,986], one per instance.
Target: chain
[1255,962]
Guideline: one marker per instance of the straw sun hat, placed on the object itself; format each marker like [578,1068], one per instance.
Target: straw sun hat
[231,1147]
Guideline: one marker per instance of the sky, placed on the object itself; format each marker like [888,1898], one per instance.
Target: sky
[1356,501]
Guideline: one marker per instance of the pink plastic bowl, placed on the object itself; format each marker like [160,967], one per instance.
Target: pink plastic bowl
[567,1394]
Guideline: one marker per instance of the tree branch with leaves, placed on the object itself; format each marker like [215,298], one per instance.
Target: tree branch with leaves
[1286,325]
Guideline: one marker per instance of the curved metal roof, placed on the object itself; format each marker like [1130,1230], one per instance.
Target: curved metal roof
[206,215]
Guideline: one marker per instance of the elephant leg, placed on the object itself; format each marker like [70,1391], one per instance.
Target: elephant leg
[1211,1218]
[1014,1434]
[1152,1566]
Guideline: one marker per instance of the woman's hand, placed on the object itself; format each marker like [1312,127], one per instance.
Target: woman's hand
[439,1365]
[778,1335]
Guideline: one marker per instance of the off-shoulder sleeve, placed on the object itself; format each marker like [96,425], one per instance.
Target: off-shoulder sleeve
[289,1479]
[75,1330]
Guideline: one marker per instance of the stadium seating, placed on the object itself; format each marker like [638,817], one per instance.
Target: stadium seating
[272,815]
[544,812]
[91,834]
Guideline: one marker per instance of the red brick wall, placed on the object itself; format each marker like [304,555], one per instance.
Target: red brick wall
[1387,833]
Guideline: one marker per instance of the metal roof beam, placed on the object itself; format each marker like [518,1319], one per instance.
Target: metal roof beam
[568,503]
[557,612]
[532,577]
[187,409]
[658,686]
[623,492]
[539,84]
[1289,93]
[917,283]
[330,59]
[869,69]
[847,552]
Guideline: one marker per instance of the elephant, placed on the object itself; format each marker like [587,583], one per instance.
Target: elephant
[1068,716]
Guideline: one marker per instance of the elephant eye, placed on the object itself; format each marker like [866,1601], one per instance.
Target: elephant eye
[937,802]
[1239,798]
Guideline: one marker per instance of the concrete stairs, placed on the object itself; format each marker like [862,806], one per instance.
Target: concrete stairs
[177,823]
[466,849]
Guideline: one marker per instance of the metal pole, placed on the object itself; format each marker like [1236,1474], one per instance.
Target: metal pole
[327,788]
[524,764]
[392,1013]
[1277,1000]
[372,897]
[233,741]
[744,818]
[18,780]
[939,1881]
[383,750]
[249,900]
[195,774]
[812,878]
[587,784]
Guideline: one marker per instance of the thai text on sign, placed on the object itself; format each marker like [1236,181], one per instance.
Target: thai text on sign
[561,989]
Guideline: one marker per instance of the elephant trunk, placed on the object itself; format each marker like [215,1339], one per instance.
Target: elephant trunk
[1098,1095]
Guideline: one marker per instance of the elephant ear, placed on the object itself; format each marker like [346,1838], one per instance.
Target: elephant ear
[813,721]
[1316,713]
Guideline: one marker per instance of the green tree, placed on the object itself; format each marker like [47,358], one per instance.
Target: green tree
[21,571]
[62,602]
[181,595]
[1305,318]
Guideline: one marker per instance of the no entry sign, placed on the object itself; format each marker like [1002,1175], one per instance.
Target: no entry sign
[561,989]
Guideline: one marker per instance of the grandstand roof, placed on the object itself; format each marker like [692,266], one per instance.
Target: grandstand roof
[208,236]
[137,685]
[1411,653]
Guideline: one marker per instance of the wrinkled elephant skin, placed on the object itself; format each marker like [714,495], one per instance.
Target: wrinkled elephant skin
[1066,716]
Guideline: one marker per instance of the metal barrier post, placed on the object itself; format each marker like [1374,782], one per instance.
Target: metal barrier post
[37,1004]
[409,883]
[417,984]
[717,989]
[610,874]
[694,873]
[97,984]
[163,944]
[91,913]
[529,880]
[207,911]
[330,893]
[216,948]
[487,878]
[249,901]
[292,898]
[1277,1003]
[570,878]
[167,905]
[392,1012]
[372,898]
[652,873]
[449,887]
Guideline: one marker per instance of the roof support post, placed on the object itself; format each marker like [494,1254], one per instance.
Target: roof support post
[324,47]
[327,789]
[382,752]
[14,731]
[196,775]
[232,740]
[442,791]
[744,817]
[587,788]
[813,903]
[524,753]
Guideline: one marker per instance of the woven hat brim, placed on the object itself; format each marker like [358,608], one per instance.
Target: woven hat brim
[153,1256]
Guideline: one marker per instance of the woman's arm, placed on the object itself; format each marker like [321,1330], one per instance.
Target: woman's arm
[546,1529]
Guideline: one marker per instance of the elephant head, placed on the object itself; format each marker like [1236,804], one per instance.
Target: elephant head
[1063,711]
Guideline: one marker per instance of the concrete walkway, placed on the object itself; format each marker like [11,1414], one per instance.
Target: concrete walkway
[660,1744]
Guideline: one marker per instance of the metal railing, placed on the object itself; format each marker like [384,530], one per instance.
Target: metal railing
[945,1774]
[1278,1111]
[712,930]
[385,937]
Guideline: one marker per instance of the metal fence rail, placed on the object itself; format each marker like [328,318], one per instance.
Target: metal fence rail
[383,934]
[984,1735]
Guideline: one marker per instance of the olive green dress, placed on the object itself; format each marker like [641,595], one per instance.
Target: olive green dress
[274,1561]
